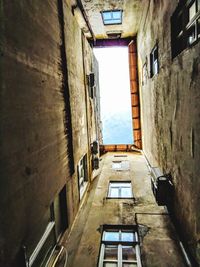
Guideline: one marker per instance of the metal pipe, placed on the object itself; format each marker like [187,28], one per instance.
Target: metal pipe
[80,6]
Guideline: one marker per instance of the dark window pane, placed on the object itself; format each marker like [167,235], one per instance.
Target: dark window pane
[198,27]
[128,253]
[110,252]
[178,26]
[192,34]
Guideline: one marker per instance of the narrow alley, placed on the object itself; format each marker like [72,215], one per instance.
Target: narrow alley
[82,184]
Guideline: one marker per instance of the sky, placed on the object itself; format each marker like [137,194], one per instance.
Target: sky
[115,95]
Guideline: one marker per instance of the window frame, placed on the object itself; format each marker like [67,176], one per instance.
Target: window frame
[82,179]
[112,19]
[50,231]
[109,196]
[180,40]
[135,244]
[154,59]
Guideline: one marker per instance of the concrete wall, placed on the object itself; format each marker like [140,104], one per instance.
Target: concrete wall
[34,114]
[170,115]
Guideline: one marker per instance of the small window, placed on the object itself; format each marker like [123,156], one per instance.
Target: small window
[185,26]
[38,254]
[117,165]
[59,213]
[119,247]
[82,175]
[112,17]
[120,190]
[154,61]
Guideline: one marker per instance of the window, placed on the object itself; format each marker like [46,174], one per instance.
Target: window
[119,247]
[112,17]
[185,26]
[59,213]
[120,190]
[82,175]
[38,253]
[119,165]
[154,61]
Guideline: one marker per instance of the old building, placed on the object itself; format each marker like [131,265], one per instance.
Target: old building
[66,198]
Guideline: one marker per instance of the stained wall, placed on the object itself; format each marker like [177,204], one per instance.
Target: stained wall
[42,111]
[170,116]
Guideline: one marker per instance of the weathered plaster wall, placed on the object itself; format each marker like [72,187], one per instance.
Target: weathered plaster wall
[34,162]
[170,115]
[159,244]
[80,64]
[33,148]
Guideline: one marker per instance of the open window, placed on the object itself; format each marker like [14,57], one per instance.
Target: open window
[119,247]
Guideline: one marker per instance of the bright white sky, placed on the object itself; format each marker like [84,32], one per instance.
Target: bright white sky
[115,94]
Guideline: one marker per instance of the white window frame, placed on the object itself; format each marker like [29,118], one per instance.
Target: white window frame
[82,175]
[120,244]
[113,184]
[112,20]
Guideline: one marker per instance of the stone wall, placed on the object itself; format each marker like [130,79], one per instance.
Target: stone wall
[170,115]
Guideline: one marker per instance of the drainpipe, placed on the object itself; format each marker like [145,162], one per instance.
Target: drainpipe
[80,6]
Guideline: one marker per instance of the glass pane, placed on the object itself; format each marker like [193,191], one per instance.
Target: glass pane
[109,264]
[111,236]
[179,24]
[110,253]
[120,184]
[129,265]
[198,27]
[117,15]
[128,253]
[192,11]
[156,67]
[107,15]
[116,166]
[114,192]
[126,192]
[128,236]
[191,34]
